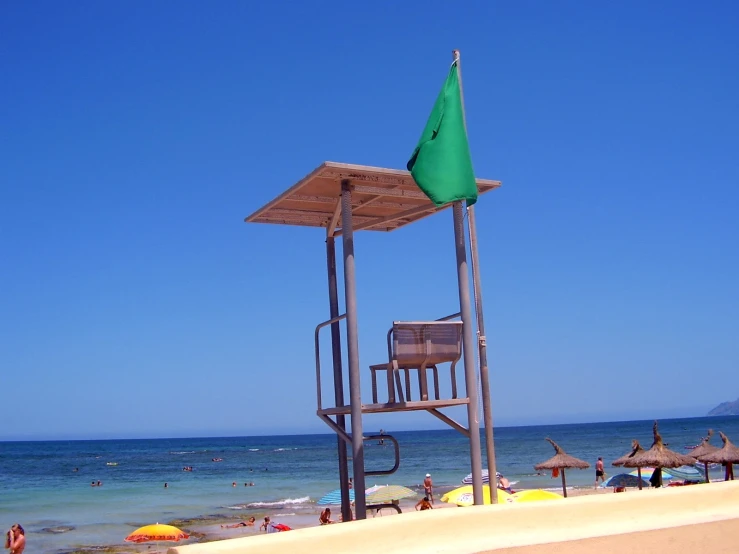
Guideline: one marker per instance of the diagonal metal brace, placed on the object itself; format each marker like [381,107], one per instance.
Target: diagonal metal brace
[449,421]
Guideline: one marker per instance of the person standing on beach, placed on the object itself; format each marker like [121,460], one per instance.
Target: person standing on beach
[428,487]
[599,472]
[15,539]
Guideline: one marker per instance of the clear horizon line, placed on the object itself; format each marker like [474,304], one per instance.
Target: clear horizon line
[329,433]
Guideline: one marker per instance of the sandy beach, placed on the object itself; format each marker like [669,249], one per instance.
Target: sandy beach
[213,530]
[689,539]
[674,520]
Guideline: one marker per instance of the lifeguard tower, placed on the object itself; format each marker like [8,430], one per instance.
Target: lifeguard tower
[342,199]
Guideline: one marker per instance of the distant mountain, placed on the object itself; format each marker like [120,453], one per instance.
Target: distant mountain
[726,408]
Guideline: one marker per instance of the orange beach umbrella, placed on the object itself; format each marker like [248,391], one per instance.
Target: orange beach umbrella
[156,533]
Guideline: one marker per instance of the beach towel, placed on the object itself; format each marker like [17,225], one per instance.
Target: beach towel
[555,472]
[281,527]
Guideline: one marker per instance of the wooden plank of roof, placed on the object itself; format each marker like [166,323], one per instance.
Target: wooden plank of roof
[360,204]
[382,199]
[304,214]
[293,189]
[402,215]
[391,193]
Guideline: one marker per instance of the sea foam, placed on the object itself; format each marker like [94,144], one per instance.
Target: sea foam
[283,502]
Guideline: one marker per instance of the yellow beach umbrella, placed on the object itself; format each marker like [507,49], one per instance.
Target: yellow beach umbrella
[535,495]
[646,473]
[156,533]
[463,496]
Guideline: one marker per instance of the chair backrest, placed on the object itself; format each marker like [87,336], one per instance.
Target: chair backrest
[432,342]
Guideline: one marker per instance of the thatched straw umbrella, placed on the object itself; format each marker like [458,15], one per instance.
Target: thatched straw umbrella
[561,461]
[728,455]
[658,456]
[635,449]
[704,448]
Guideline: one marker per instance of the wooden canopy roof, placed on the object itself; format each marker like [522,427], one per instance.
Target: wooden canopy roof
[382,199]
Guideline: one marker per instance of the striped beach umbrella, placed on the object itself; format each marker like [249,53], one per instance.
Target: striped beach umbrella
[626,480]
[387,494]
[646,473]
[334,498]
[485,478]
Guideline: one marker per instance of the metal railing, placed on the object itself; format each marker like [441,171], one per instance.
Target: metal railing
[318,354]
[393,440]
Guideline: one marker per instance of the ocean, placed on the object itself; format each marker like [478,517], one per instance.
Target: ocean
[45,486]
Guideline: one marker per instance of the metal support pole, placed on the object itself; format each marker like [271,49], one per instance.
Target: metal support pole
[352,339]
[468,352]
[487,406]
[333,300]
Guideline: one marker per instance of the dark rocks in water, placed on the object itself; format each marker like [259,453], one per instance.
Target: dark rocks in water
[726,409]
[58,529]
[199,520]
[97,550]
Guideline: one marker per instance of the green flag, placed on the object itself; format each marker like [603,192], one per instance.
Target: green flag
[441,164]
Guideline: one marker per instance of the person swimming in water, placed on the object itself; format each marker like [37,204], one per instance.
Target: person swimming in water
[15,540]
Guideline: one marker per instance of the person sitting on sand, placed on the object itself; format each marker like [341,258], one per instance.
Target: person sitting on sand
[325,517]
[266,525]
[503,483]
[248,523]
[424,504]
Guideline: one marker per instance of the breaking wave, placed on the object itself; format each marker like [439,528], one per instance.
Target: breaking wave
[283,502]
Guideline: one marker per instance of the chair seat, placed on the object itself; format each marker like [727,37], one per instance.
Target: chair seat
[419,345]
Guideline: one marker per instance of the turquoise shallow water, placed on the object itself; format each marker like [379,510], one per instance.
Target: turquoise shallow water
[40,490]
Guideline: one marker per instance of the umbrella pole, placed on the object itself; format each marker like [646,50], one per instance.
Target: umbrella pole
[638,471]
[705,464]
[564,483]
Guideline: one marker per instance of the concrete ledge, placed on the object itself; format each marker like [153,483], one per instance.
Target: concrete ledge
[509,526]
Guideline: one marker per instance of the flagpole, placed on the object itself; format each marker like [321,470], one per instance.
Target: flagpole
[481,339]
[468,349]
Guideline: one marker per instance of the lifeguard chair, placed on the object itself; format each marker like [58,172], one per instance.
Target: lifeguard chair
[342,199]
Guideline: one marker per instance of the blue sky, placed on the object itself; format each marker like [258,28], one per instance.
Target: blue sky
[136,137]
